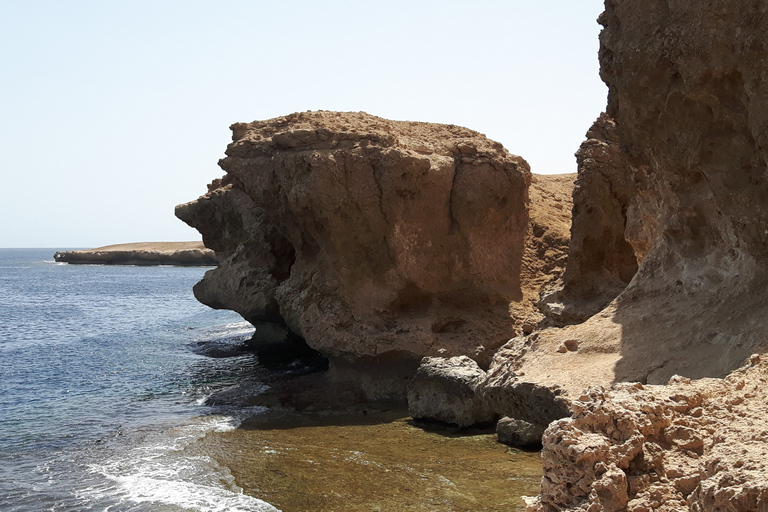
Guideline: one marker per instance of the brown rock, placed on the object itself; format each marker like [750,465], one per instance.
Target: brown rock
[546,245]
[676,173]
[689,93]
[380,241]
[601,261]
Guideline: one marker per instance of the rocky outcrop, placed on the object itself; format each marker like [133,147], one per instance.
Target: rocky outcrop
[187,254]
[376,241]
[691,445]
[601,262]
[684,181]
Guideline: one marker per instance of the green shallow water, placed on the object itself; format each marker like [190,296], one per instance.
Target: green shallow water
[381,462]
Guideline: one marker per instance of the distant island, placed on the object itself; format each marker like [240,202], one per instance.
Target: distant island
[187,254]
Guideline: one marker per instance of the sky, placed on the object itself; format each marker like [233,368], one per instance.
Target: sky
[113,112]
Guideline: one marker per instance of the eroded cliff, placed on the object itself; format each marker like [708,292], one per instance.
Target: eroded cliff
[688,103]
[669,230]
[378,241]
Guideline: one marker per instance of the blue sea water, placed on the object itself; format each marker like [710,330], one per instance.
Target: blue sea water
[102,387]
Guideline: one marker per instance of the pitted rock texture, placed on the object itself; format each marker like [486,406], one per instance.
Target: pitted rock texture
[688,446]
[371,239]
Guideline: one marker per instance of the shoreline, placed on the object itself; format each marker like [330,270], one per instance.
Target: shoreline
[378,461]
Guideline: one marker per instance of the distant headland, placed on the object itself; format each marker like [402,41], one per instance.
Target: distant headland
[187,254]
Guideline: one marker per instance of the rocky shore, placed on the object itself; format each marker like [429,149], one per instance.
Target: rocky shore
[428,265]
[187,254]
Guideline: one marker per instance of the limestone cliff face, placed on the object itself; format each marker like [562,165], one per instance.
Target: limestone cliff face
[688,90]
[688,93]
[369,238]
[601,261]
[672,180]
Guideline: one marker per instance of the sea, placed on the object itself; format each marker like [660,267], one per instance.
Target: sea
[103,381]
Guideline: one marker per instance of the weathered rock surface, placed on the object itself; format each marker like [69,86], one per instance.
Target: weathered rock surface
[143,253]
[519,433]
[671,181]
[378,241]
[691,445]
[446,390]
[601,262]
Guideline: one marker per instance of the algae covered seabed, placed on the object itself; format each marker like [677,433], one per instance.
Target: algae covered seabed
[375,462]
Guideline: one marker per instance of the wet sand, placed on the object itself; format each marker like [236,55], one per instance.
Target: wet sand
[378,462]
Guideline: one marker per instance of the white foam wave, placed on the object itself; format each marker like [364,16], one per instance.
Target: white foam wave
[230,330]
[158,471]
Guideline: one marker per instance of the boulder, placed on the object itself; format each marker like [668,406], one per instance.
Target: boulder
[688,445]
[445,390]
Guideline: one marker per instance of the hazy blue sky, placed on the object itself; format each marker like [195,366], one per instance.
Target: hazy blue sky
[112,112]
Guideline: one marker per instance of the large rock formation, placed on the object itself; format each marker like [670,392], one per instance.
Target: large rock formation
[601,262]
[686,185]
[671,200]
[378,242]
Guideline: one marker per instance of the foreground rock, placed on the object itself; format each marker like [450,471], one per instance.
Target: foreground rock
[378,242]
[143,253]
[516,432]
[692,445]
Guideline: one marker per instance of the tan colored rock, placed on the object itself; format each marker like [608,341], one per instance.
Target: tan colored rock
[546,245]
[602,262]
[688,91]
[377,240]
[690,445]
